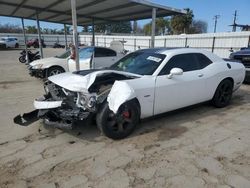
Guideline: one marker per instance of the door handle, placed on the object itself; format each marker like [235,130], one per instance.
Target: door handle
[200,75]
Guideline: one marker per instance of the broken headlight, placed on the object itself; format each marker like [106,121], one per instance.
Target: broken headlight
[86,101]
[91,102]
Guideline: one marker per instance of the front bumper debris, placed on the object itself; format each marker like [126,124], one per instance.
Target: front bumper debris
[27,118]
[39,73]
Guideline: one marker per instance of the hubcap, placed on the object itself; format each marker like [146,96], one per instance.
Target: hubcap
[54,72]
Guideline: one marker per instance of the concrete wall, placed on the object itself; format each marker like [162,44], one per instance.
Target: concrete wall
[220,43]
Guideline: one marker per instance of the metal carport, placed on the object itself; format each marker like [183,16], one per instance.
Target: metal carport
[85,12]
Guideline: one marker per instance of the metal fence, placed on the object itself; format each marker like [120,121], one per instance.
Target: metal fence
[219,43]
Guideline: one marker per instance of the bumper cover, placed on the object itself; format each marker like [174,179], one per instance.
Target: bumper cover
[40,73]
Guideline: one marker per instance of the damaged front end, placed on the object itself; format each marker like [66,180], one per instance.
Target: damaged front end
[61,107]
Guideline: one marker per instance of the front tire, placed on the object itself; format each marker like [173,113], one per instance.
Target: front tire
[223,94]
[54,71]
[22,59]
[119,125]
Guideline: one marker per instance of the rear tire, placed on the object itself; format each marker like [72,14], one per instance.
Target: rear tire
[119,125]
[54,71]
[17,45]
[223,94]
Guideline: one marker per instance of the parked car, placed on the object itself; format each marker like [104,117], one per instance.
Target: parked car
[141,84]
[244,56]
[9,42]
[46,67]
[35,43]
[103,57]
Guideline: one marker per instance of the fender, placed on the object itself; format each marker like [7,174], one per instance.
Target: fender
[120,93]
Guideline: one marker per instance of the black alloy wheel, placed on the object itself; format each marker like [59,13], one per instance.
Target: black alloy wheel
[223,94]
[121,124]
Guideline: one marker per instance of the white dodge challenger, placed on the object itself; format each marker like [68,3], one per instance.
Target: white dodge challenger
[142,84]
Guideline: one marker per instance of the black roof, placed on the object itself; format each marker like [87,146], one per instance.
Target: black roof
[155,50]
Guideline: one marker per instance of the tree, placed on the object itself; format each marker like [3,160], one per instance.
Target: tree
[121,27]
[31,29]
[198,26]
[9,28]
[114,27]
[100,28]
[162,26]
[85,29]
[181,23]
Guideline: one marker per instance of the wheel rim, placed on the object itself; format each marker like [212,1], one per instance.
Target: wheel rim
[120,122]
[55,72]
[225,93]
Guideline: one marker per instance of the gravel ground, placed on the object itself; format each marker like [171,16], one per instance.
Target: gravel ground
[196,147]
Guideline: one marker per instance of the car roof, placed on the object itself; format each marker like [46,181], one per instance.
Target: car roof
[181,50]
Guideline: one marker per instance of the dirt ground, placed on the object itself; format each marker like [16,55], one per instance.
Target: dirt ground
[196,147]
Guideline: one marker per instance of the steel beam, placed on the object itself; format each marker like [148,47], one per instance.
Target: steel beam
[93,33]
[65,36]
[75,33]
[25,41]
[39,36]
[153,28]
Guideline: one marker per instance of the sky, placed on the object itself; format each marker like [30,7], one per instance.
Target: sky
[203,10]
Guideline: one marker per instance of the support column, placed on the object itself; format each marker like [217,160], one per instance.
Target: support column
[75,34]
[39,35]
[25,41]
[93,32]
[153,28]
[65,36]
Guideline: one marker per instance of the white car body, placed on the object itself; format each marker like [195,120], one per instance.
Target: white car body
[9,42]
[156,93]
[164,94]
[69,65]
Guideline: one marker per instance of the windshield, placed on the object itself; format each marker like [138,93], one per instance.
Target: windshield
[64,55]
[139,63]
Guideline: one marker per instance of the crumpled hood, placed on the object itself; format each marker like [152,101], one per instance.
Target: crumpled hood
[80,83]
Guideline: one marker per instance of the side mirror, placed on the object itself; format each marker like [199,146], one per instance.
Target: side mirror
[175,71]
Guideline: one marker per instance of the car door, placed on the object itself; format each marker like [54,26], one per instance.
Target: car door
[104,57]
[180,90]
[85,56]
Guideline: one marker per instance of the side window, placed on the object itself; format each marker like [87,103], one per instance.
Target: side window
[85,53]
[103,52]
[187,62]
[203,60]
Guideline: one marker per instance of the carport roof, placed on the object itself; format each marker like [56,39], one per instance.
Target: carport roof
[102,11]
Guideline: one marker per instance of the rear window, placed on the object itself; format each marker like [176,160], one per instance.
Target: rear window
[104,52]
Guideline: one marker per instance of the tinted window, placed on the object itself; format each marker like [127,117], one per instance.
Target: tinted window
[139,63]
[187,62]
[103,52]
[203,60]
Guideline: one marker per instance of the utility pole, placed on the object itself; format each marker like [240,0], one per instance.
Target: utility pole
[216,17]
[234,23]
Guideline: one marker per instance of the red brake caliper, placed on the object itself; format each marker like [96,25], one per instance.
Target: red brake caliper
[126,114]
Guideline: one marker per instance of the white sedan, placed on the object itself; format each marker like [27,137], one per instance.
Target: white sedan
[9,42]
[142,84]
[97,57]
